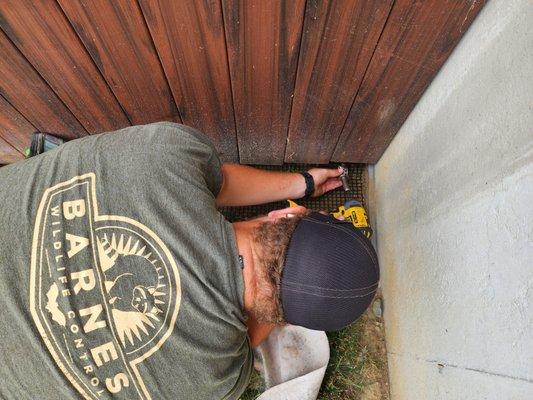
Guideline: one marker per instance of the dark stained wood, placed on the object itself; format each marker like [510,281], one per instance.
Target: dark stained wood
[42,33]
[418,38]
[263,40]
[270,81]
[8,154]
[115,35]
[339,38]
[29,94]
[14,128]
[189,37]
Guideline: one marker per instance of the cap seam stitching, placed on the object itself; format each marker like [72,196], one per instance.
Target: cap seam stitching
[330,297]
[337,290]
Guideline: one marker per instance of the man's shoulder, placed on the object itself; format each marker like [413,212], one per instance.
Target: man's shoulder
[153,143]
[167,132]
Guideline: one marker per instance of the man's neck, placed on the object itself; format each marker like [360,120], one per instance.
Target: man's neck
[257,332]
[243,236]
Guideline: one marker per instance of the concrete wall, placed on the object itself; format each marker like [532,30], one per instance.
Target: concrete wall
[453,197]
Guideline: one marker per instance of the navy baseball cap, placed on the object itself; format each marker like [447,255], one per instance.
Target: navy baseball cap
[330,275]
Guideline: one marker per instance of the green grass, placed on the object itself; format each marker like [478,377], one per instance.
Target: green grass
[255,388]
[343,379]
[353,364]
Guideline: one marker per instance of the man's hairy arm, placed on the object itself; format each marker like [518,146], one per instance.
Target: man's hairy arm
[243,185]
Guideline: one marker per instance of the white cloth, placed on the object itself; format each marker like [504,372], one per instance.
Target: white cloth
[294,360]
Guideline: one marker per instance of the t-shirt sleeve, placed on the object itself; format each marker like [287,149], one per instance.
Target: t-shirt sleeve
[195,151]
[213,173]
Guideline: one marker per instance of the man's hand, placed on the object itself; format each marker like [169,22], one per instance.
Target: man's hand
[325,179]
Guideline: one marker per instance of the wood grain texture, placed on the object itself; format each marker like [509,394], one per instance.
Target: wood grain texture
[263,40]
[8,154]
[29,94]
[115,35]
[40,30]
[14,128]
[418,38]
[189,37]
[354,68]
[338,40]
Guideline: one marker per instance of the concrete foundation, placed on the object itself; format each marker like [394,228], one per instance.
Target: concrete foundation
[453,197]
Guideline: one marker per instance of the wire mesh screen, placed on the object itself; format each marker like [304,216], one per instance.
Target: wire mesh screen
[329,202]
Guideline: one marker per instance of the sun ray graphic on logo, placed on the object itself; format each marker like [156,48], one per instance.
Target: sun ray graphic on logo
[135,285]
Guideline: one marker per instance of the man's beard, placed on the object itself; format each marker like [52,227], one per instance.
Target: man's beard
[266,307]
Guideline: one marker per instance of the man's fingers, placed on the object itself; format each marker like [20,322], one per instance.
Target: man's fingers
[332,184]
[287,212]
[322,174]
[333,173]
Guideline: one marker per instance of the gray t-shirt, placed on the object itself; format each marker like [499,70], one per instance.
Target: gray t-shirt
[120,279]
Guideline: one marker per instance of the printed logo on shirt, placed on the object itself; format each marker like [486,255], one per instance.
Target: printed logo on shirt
[104,291]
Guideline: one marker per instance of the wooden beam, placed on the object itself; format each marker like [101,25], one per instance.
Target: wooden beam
[418,38]
[263,40]
[189,37]
[115,35]
[339,37]
[40,30]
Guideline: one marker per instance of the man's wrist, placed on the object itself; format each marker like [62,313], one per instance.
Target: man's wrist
[309,184]
[297,186]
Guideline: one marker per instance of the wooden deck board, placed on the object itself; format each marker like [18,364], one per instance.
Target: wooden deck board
[418,38]
[300,81]
[263,40]
[31,96]
[40,30]
[338,42]
[189,37]
[14,128]
[8,154]
[116,37]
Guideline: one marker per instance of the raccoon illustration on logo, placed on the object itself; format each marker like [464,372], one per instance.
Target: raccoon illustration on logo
[134,284]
